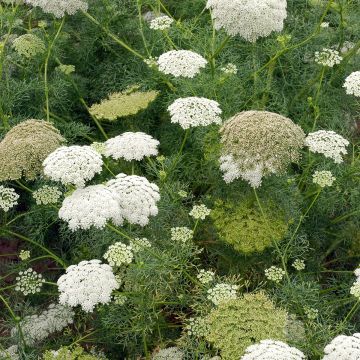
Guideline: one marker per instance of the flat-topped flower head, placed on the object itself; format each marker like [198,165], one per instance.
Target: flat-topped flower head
[91,206]
[328,143]
[59,8]
[205,276]
[222,292]
[181,63]
[29,282]
[119,254]
[195,111]
[328,57]
[199,212]
[171,353]
[274,274]
[131,146]
[343,348]
[352,84]
[181,234]
[250,19]
[139,244]
[161,22]
[137,197]
[272,350]
[8,198]
[73,165]
[11,353]
[87,284]
[28,45]
[47,195]
[323,178]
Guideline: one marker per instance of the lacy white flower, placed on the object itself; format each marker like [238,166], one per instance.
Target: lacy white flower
[272,350]
[250,19]
[119,254]
[229,69]
[199,212]
[151,62]
[323,178]
[24,255]
[171,353]
[357,273]
[131,146]
[87,284]
[197,327]
[352,84]
[99,147]
[275,274]
[91,206]
[299,264]
[328,143]
[355,289]
[120,299]
[59,8]
[194,111]
[8,198]
[182,234]
[11,353]
[28,45]
[324,25]
[139,244]
[29,282]
[161,22]
[205,276]
[138,197]
[47,195]
[343,348]
[181,63]
[73,165]
[328,57]
[36,328]
[222,292]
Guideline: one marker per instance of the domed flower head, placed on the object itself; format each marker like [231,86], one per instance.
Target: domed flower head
[91,206]
[328,143]
[221,293]
[272,350]
[119,254]
[323,178]
[10,353]
[343,348]
[47,195]
[328,57]
[25,147]
[194,111]
[179,63]
[28,45]
[250,19]
[352,84]
[8,198]
[137,197]
[171,353]
[59,8]
[131,146]
[87,284]
[161,22]
[73,165]
[258,143]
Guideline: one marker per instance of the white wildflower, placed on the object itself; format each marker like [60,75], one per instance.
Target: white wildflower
[323,178]
[199,212]
[47,195]
[275,274]
[24,255]
[343,348]
[161,23]
[229,69]
[11,353]
[8,198]
[222,292]
[139,244]
[355,289]
[352,84]
[205,276]
[311,313]
[119,254]
[299,264]
[59,8]
[182,234]
[171,353]
[328,57]
[120,299]
[151,62]
[197,327]
[28,45]
[29,282]
[324,25]
[99,147]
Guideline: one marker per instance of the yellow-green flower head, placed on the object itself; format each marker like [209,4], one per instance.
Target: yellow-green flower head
[67,353]
[28,45]
[66,69]
[122,104]
[236,324]
[25,147]
[243,226]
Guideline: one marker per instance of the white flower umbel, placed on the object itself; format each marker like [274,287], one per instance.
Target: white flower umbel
[328,143]
[250,19]
[205,276]
[328,57]
[194,111]
[222,292]
[199,212]
[181,234]
[87,284]
[183,63]
[139,244]
[298,264]
[272,350]
[8,198]
[119,254]
[91,206]
[24,255]
[323,178]
[131,146]
[197,327]
[343,348]
[137,197]
[171,353]
[355,289]
[352,84]
[29,282]
[275,274]
[73,165]
[11,353]
[47,195]
[229,69]
[161,23]
[59,8]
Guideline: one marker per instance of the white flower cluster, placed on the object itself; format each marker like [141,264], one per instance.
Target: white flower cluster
[91,206]
[250,19]
[36,328]
[222,292]
[343,348]
[229,69]
[324,25]
[182,234]
[194,111]
[205,276]
[59,8]
[151,62]
[171,353]
[323,178]
[11,353]
[119,254]
[355,288]
[120,299]
[24,254]
[139,244]
[274,273]
[199,212]
[99,147]
[352,84]
[131,146]
[272,350]
[183,63]
[299,264]
[8,198]
[87,284]
[47,195]
[197,327]
[137,198]
[73,164]
[29,282]
[328,143]
[328,57]
[161,23]
[311,313]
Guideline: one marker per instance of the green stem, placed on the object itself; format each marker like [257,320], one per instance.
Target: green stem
[178,156]
[317,96]
[117,231]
